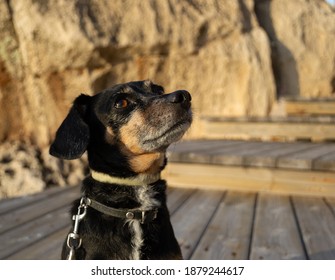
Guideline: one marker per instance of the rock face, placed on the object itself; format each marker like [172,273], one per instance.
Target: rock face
[24,169]
[234,56]
[19,170]
[215,49]
[302,35]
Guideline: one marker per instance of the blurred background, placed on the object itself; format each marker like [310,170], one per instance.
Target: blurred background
[238,58]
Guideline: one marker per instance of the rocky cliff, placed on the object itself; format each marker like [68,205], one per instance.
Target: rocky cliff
[302,36]
[234,56]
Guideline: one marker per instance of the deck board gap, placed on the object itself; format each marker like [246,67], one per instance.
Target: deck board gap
[30,199]
[295,216]
[252,228]
[331,208]
[37,241]
[36,218]
[291,154]
[223,195]
[181,201]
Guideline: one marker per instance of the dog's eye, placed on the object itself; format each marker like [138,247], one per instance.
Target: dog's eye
[121,103]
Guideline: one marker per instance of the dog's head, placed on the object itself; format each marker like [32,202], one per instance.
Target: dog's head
[125,129]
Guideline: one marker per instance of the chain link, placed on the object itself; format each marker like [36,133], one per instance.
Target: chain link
[73,239]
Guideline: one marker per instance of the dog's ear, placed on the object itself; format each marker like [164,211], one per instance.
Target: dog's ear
[73,135]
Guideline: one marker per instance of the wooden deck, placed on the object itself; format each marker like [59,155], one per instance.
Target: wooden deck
[318,128]
[285,168]
[286,209]
[301,119]
[317,107]
[208,225]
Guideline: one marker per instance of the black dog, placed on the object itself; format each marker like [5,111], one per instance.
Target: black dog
[125,130]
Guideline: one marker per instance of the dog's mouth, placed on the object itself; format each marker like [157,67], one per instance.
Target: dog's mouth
[169,135]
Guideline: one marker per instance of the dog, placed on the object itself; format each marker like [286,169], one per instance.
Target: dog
[125,130]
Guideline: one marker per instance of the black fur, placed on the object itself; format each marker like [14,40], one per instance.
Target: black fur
[101,125]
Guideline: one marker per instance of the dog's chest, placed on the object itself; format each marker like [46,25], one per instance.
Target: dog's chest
[145,195]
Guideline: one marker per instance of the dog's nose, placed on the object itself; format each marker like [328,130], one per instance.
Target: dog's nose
[180,96]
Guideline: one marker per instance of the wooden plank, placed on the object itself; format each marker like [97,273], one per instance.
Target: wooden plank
[268,158]
[317,223]
[8,205]
[177,197]
[238,154]
[250,179]
[194,145]
[276,234]
[224,129]
[38,209]
[185,151]
[326,162]
[228,235]
[304,159]
[190,221]
[300,107]
[261,154]
[209,156]
[48,248]
[24,235]
[272,119]
[331,202]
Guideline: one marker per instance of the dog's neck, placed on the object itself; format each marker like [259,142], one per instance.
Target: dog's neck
[138,180]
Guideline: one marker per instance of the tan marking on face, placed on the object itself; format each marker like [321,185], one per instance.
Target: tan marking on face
[129,134]
[147,163]
[109,135]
